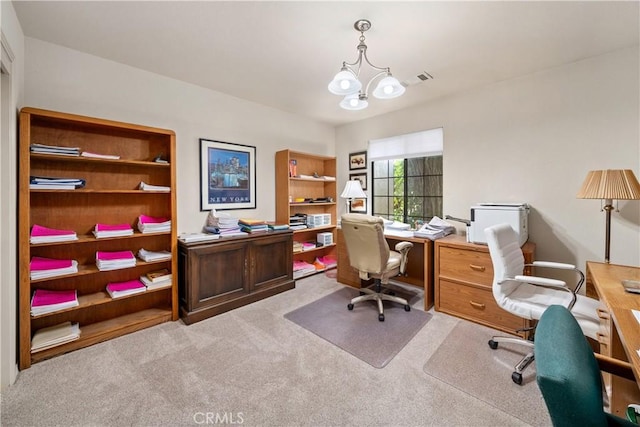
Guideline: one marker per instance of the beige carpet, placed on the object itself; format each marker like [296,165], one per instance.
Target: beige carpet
[358,331]
[456,363]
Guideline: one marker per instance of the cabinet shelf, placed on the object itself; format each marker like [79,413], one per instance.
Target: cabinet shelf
[88,238]
[316,229]
[316,249]
[105,330]
[293,205]
[92,160]
[111,196]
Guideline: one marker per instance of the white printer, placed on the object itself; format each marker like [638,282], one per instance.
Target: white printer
[485,215]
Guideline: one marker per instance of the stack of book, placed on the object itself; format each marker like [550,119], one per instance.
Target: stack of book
[55,149]
[55,335]
[122,289]
[42,268]
[327,261]
[114,260]
[197,237]
[150,256]
[157,279]
[112,230]
[150,224]
[40,234]
[277,227]
[148,187]
[50,183]
[253,226]
[298,221]
[47,301]
[302,268]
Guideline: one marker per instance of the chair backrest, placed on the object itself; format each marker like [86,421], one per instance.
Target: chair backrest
[567,372]
[364,237]
[506,257]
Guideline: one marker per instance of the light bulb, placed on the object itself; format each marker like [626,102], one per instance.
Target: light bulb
[353,102]
[388,89]
[344,84]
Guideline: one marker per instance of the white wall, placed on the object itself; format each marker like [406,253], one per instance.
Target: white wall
[66,80]
[11,94]
[533,139]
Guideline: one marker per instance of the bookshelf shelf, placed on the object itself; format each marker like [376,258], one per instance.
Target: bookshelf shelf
[110,196]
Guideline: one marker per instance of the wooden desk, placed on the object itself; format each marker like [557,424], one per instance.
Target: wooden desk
[621,338]
[419,265]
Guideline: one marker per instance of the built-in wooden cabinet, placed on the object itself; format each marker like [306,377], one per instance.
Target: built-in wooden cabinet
[111,196]
[463,280]
[309,190]
[224,274]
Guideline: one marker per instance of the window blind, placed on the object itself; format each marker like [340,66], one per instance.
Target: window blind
[418,144]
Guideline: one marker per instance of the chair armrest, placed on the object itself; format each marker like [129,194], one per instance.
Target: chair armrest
[403,248]
[616,367]
[551,264]
[543,281]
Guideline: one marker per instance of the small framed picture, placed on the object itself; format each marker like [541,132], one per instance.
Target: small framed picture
[362,177]
[358,205]
[358,160]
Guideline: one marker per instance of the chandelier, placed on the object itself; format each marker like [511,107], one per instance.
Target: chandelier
[346,83]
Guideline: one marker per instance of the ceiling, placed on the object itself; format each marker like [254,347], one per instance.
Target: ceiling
[283,54]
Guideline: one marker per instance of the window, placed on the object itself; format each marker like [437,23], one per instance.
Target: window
[407,190]
[407,176]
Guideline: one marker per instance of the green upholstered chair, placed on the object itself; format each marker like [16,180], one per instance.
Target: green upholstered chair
[568,373]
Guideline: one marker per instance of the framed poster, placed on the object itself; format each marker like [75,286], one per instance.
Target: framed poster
[358,205]
[362,177]
[227,175]
[358,160]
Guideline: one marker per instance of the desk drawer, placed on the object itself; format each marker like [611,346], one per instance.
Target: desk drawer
[466,265]
[477,305]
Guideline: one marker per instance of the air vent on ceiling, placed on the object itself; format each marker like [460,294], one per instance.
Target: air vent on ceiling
[421,77]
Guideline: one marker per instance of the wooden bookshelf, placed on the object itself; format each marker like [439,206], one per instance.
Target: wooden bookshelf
[291,188]
[111,196]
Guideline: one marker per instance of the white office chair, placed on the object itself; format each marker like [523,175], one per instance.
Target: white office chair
[369,254]
[529,296]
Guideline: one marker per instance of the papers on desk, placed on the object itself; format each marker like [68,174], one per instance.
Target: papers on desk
[397,229]
[435,229]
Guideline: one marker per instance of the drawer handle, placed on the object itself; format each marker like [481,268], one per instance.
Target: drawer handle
[476,267]
[602,338]
[603,314]
[477,305]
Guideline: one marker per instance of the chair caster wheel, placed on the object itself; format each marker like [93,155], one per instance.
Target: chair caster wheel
[493,345]
[381,317]
[350,306]
[517,378]
[407,308]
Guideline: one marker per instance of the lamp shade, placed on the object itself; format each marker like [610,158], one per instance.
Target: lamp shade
[611,184]
[353,189]
[344,83]
[353,102]
[389,87]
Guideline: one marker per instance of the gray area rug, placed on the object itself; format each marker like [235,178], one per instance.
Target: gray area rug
[456,363]
[358,331]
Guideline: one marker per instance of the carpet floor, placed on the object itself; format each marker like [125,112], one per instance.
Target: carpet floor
[456,363]
[358,331]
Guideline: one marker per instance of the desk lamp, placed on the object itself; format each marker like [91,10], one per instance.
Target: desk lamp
[609,185]
[353,190]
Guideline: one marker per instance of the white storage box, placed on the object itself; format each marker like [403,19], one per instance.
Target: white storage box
[325,238]
[486,215]
[318,220]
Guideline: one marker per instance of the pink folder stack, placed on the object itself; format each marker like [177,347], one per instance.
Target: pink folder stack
[40,234]
[41,268]
[112,230]
[47,301]
[115,260]
[150,224]
[121,289]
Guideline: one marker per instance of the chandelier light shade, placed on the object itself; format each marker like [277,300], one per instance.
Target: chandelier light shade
[347,82]
[610,185]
